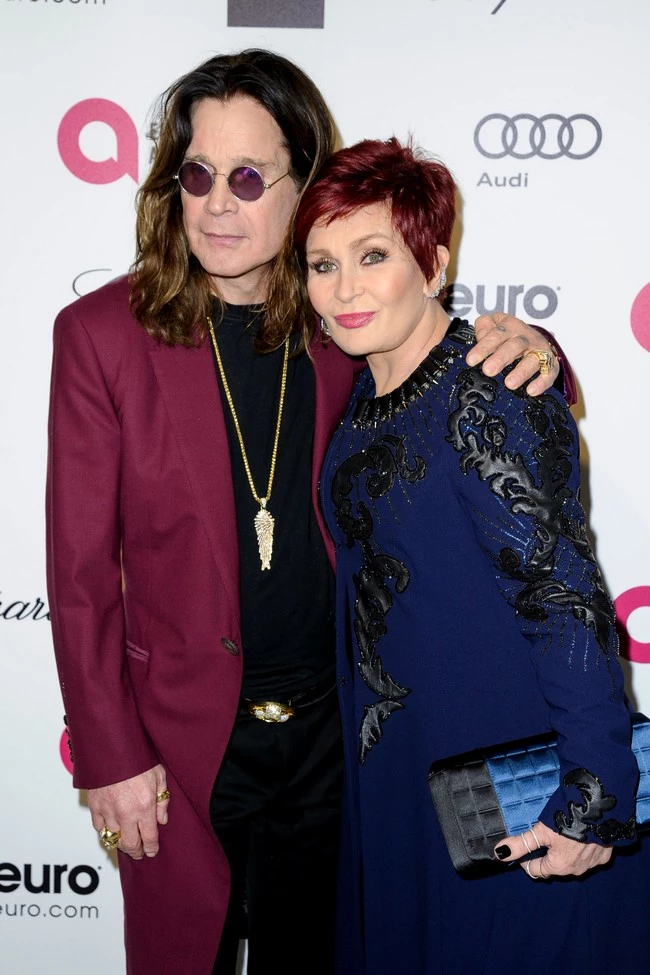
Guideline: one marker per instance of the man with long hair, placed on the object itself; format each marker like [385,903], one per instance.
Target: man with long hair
[191,405]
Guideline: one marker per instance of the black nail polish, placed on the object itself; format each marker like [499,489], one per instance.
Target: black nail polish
[503,851]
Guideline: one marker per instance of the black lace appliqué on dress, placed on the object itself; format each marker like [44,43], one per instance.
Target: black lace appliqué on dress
[479,437]
[584,819]
[381,463]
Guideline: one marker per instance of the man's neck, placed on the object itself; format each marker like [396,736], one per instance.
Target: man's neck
[250,289]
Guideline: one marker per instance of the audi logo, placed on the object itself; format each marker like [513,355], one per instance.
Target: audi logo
[549,136]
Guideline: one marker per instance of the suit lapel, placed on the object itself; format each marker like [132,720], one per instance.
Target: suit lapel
[334,378]
[189,387]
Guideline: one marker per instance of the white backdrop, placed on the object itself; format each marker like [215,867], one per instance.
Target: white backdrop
[554,226]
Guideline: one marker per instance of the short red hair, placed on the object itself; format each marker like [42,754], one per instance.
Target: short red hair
[421,193]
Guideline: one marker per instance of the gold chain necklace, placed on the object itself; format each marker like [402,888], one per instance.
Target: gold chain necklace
[264,521]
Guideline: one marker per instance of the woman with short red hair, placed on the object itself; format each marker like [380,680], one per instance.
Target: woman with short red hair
[471,611]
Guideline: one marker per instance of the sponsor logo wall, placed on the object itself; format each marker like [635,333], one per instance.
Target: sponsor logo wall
[552,171]
[549,137]
[99,171]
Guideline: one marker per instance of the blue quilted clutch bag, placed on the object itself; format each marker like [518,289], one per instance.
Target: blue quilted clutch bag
[482,796]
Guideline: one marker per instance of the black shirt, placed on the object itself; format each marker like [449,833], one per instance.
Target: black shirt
[286,611]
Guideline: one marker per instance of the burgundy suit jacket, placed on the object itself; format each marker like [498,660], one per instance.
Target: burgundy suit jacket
[143,577]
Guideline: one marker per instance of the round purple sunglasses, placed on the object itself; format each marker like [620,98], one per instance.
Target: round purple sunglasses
[244,182]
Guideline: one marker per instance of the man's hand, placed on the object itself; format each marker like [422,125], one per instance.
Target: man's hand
[131,808]
[563,858]
[500,340]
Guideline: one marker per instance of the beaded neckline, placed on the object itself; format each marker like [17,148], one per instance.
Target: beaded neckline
[371,411]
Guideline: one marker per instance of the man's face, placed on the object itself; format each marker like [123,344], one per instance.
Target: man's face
[236,240]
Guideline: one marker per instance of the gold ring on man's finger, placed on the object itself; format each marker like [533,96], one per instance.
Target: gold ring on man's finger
[546,360]
[161,796]
[109,838]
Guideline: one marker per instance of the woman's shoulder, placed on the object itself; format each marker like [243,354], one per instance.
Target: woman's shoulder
[522,446]
[475,396]
[456,344]
[505,433]
[472,393]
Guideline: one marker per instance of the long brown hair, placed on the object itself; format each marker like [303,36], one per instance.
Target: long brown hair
[171,294]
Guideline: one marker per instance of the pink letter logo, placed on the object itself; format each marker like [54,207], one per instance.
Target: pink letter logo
[626,603]
[640,317]
[126,135]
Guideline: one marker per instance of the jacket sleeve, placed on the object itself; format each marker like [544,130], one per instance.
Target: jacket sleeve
[566,381]
[518,464]
[108,741]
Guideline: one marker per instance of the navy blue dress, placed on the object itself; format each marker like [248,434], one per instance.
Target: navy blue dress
[471,612]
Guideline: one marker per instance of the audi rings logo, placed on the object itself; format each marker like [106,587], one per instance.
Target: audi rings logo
[549,136]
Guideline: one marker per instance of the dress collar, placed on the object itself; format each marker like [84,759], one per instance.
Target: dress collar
[370,411]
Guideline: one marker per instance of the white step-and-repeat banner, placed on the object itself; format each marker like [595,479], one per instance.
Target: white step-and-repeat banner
[541,111]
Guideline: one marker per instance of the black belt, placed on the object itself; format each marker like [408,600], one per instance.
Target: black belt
[281,711]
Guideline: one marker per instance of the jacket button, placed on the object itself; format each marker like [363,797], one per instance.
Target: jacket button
[230,646]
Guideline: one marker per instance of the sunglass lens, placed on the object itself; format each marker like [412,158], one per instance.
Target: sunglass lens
[195,179]
[246,183]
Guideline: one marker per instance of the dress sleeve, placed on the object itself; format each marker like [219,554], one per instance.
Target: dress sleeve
[517,459]
[108,741]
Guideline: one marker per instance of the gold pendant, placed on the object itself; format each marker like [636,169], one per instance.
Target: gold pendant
[264,522]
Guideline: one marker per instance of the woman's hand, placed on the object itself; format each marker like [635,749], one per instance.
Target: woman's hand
[563,858]
[502,339]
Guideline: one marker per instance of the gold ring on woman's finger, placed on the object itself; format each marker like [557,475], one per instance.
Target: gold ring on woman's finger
[546,360]
[542,875]
[526,843]
[109,838]
[535,836]
[161,796]
[527,869]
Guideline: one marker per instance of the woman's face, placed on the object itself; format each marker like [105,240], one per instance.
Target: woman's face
[367,286]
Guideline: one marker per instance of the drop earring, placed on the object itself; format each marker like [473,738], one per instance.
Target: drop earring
[325,332]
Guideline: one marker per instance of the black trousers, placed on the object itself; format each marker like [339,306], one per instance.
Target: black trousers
[276,810]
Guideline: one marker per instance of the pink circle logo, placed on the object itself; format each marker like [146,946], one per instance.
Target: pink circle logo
[626,604]
[64,750]
[75,120]
[640,317]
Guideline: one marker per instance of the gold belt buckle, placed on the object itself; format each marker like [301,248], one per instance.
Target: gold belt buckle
[271,711]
